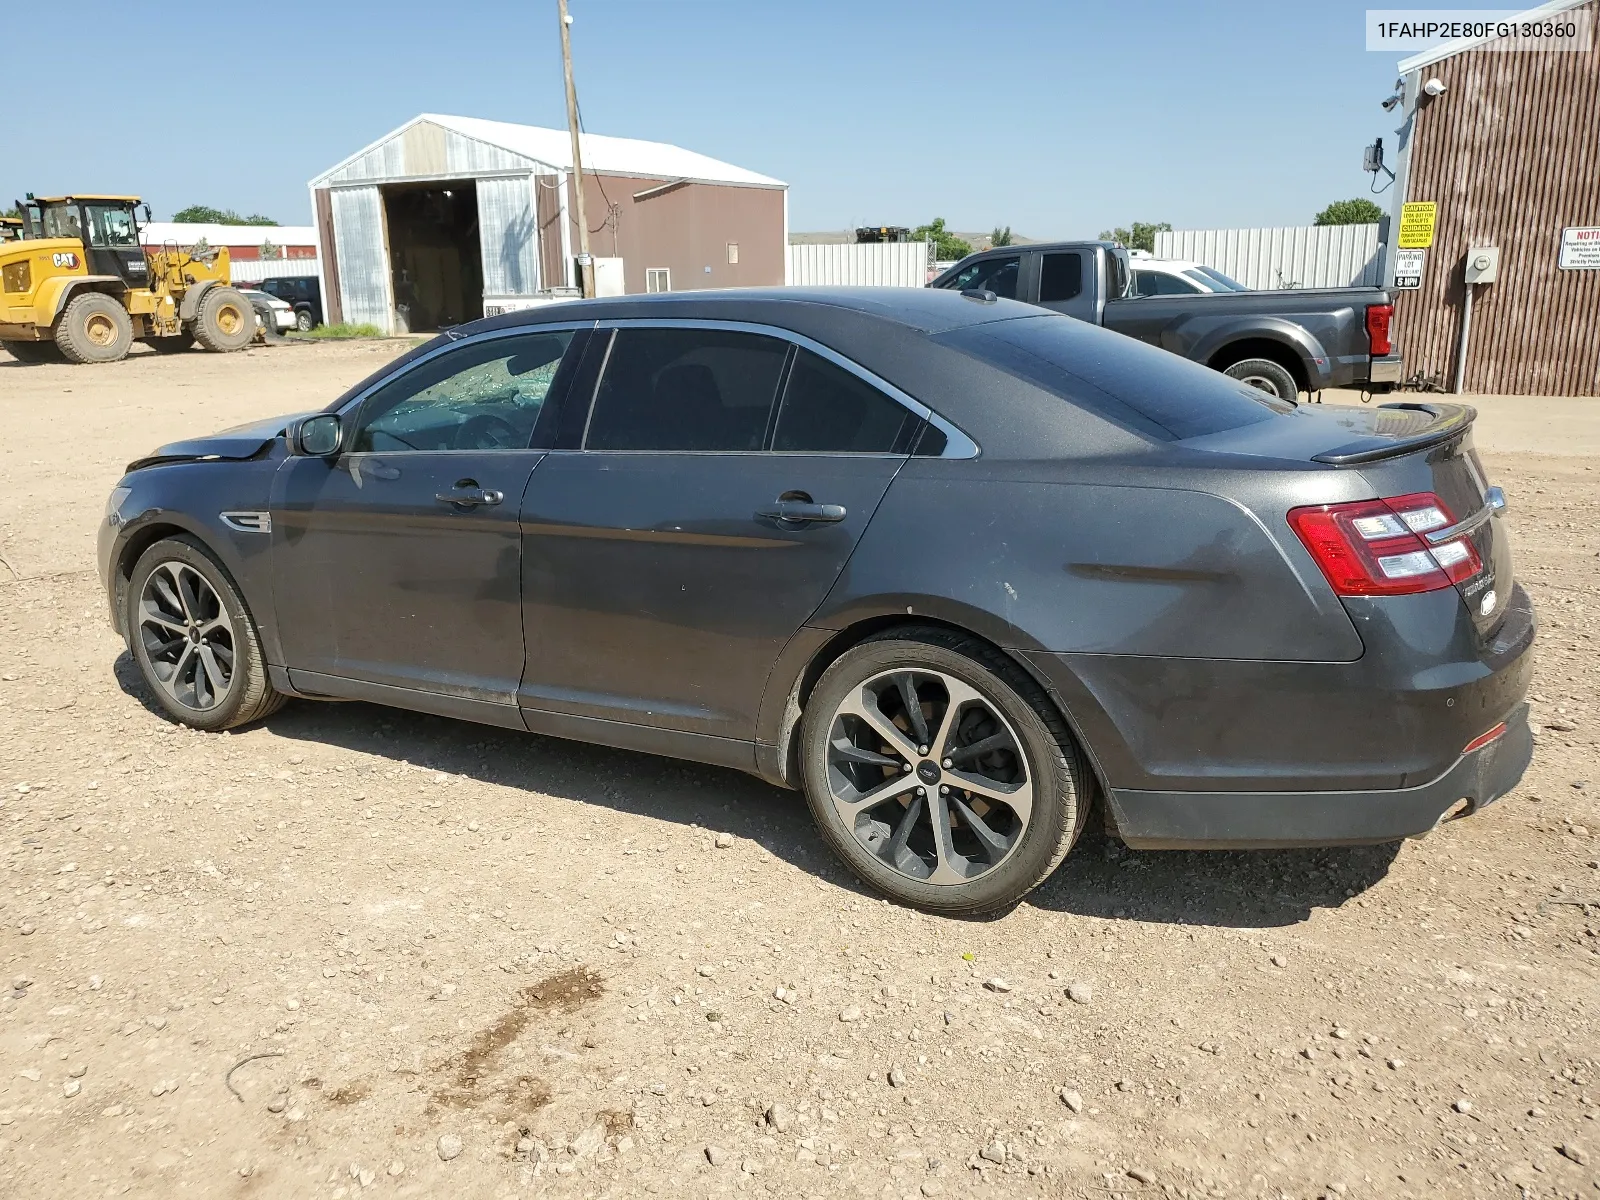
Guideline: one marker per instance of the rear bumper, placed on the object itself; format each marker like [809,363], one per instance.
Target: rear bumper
[1388,369]
[1267,820]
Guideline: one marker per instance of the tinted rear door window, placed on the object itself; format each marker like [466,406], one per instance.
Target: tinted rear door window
[828,410]
[1060,277]
[1138,387]
[686,389]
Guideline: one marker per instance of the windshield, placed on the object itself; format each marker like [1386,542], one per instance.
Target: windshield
[1216,280]
[111,225]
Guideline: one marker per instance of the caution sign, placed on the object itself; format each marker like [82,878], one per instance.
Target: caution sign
[1408,265]
[1416,225]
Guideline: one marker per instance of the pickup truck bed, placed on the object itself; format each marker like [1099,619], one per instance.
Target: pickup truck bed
[1324,337]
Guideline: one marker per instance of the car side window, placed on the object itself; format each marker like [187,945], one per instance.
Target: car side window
[1060,277]
[480,396]
[686,389]
[997,275]
[828,410]
[1158,283]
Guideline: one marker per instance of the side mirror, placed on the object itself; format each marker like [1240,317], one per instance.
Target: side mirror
[316,437]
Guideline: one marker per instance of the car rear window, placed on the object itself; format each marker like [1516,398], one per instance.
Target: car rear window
[1137,386]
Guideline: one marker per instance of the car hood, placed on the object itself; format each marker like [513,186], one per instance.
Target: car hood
[240,442]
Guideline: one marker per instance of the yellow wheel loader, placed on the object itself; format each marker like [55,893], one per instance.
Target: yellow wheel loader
[79,286]
[10,229]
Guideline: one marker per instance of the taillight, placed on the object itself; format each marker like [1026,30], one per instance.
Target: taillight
[1375,547]
[1379,317]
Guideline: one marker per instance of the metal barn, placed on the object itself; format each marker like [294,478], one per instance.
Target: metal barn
[447,219]
[1505,147]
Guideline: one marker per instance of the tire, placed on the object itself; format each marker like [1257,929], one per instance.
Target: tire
[303,321]
[897,852]
[176,344]
[94,329]
[225,321]
[171,622]
[34,353]
[1266,375]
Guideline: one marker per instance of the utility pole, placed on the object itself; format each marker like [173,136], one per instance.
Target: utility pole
[585,260]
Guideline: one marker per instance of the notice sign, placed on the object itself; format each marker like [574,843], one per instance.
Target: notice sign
[1408,266]
[1416,225]
[1580,249]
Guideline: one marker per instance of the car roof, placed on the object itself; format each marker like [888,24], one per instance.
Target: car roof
[1169,265]
[928,310]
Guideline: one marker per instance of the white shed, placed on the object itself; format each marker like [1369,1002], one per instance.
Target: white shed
[451,218]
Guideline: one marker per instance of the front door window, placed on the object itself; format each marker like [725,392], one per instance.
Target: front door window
[483,396]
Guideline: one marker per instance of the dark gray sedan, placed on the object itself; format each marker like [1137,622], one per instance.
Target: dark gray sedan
[960,569]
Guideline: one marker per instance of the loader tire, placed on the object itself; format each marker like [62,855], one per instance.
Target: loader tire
[33,353]
[225,321]
[94,329]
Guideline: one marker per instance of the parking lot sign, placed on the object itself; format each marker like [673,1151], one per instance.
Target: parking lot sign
[1408,266]
[1417,220]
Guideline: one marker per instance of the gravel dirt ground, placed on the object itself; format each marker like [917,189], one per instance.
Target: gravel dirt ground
[355,951]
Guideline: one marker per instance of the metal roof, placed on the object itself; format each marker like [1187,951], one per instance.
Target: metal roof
[606,155]
[1450,49]
[84,196]
[187,233]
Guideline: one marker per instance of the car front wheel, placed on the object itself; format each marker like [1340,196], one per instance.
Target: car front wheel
[194,640]
[303,321]
[940,772]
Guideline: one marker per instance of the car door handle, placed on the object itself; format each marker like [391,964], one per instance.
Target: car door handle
[471,497]
[802,510]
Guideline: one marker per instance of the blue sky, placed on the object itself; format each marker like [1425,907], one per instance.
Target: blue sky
[1058,118]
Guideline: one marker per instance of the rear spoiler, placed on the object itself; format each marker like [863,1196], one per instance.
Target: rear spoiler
[1440,423]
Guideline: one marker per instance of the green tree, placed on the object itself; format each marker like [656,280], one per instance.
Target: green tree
[1359,211]
[204,214]
[12,211]
[1141,237]
[946,246]
[1000,237]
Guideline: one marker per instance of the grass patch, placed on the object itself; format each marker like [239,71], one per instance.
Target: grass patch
[342,330]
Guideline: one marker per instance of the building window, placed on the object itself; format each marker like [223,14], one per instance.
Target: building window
[733,254]
[658,279]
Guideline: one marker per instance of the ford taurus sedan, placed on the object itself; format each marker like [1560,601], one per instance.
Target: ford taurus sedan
[957,568]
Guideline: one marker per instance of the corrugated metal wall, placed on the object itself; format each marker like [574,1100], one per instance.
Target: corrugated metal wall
[362,262]
[426,149]
[1310,256]
[873,264]
[1511,155]
[507,232]
[270,268]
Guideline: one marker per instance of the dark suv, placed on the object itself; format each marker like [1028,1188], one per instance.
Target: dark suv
[302,293]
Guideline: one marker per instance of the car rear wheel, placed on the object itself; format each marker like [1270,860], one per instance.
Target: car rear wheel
[303,321]
[1266,375]
[194,640]
[940,772]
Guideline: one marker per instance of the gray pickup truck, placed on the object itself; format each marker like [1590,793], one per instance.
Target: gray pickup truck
[1284,342]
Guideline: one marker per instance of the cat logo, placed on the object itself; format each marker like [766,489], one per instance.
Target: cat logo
[65,258]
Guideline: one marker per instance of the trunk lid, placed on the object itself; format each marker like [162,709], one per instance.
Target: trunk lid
[1400,450]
